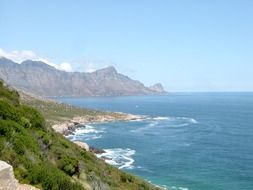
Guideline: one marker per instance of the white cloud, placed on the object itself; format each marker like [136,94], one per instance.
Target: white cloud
[20,56]
[81,65]
[66,67]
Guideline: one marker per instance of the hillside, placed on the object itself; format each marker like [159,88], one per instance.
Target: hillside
[55,112]
[39,78]
[47,160]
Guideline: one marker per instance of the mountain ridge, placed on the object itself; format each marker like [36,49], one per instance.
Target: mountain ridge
[40,78]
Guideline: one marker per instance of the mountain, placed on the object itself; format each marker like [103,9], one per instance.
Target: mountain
[40,78]
[157,88]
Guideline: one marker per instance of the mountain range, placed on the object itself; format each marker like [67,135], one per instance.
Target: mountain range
[40,78]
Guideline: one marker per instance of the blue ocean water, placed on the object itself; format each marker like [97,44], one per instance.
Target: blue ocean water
[194,141]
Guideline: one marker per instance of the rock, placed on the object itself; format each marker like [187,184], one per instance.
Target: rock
[97,150]
[26,187]
[76,123]
[7,179]
[157,88]
[105,158]
[83,145]
[60,128]
[68,127]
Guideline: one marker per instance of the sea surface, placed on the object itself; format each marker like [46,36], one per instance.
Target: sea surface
[189,141]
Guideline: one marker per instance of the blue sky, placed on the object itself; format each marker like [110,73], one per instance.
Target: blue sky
[187,45]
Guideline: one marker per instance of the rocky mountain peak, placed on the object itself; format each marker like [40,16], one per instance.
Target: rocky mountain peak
[108,70]
[157,87]
[30,63]
[6,61]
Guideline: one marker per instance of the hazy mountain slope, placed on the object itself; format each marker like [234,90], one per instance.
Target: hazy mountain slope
[40,78]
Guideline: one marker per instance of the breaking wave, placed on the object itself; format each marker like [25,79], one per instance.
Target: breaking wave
[121,158]
[86,133]
[163,121]
[178,188]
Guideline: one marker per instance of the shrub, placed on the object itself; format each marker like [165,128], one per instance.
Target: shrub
[35,118]
[10,95]
[25,122]
[5,129]
[8,111]
[50,178]
[68,165]
[18,146]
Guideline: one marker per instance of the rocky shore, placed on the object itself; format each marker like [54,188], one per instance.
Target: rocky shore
[68,127]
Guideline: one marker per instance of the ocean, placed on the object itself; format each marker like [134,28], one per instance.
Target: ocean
[189,141]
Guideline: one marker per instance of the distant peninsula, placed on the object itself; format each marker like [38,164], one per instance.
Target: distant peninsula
[40,78]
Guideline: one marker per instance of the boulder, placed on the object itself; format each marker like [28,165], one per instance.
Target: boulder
[83,145]
[97,150]
[7,179]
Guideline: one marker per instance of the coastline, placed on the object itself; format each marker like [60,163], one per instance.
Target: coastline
[67,127]
[65,119]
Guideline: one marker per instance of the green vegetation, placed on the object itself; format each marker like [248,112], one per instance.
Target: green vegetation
[58,112]
[46,159]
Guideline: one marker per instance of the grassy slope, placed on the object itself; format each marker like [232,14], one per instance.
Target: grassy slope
[55,112]
[47,160]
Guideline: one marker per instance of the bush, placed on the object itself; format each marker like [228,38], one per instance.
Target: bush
[35,118]
[50,178]
[5,129]
[8,111]
[10,95]
[25,122]
[18,146]
[68,165]
[126,178]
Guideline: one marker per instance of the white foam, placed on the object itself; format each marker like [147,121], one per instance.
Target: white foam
[87,129]
[193,120]
[190,120]
[86,133]
[183,188]
[161,118]
[153,124]
[122,158]
[179,188]
[136,120]
[162,121]
[93,137]
[186,119]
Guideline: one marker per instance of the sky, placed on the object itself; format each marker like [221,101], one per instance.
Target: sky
[187,45]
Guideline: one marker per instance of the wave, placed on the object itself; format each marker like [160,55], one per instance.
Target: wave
[87,129]
[121,158]
[163,122]
[190,120]
[86,133]
[178,188]
[161,118]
